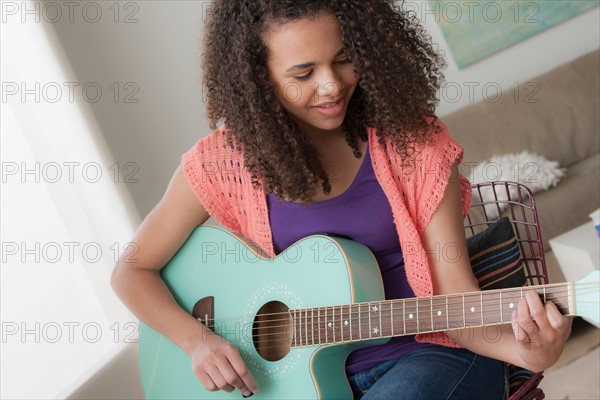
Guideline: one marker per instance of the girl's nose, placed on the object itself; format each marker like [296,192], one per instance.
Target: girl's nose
[329,86]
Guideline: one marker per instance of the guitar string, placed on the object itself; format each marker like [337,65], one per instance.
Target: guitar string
[423,319]
[442,297]
[350,311]
[516,294]
[307,318]
[327,336]
[411,304]
[422,326]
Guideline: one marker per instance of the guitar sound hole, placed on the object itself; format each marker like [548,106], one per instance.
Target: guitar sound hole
[272,332]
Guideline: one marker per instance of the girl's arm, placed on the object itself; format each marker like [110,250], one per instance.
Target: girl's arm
[216,363]
[532,345]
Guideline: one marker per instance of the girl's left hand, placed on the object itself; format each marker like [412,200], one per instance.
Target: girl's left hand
[540,332]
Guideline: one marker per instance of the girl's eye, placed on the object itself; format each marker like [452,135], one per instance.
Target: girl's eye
[303,77]
[345,61]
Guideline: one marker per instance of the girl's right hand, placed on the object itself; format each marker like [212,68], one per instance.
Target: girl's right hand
[215,362]
[218,365]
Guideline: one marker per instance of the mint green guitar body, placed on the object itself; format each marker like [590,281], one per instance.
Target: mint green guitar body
[316,271]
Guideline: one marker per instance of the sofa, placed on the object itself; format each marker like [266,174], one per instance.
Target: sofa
[556,115]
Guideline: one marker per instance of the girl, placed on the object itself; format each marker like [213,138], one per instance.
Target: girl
[328,125]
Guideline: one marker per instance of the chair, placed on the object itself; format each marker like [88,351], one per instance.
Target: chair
[514,200]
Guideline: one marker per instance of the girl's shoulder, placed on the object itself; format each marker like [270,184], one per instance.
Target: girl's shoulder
[436,142]
[218,144]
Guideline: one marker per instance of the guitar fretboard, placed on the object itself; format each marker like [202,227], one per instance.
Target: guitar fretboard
[388,318]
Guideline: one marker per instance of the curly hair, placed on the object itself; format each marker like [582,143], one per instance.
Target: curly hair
[398,71]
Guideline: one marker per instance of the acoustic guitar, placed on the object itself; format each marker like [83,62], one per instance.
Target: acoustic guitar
[296,317]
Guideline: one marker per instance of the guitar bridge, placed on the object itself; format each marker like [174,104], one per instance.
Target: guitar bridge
[204,311]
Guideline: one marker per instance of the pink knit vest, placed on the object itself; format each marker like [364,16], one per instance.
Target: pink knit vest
[216,173]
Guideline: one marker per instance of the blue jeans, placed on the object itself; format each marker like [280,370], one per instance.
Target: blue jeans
[433,373]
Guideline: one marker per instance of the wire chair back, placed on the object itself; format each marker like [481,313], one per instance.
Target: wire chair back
[493,200]
[490,202]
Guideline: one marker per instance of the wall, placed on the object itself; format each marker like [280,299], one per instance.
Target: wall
[159,51]
[514,65]
[65,218]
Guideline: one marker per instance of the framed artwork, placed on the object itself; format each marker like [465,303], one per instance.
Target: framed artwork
[475,30]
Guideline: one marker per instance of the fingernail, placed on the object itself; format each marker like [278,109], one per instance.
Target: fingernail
[247,394]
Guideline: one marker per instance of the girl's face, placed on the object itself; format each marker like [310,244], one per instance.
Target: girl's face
[313,76]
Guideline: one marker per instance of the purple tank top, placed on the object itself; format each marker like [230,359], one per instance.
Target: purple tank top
[362,213]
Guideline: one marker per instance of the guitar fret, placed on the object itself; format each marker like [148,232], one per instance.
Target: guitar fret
[431,312]
[325,340]
[329,325]
[349,311]
[392,317]
[472,318]
[348,322]
[369,311]
[319,323]
[380,324]
[305,322]
[447,313]
[481,306]
[545,301]
[501,308]
[307,327]
[411,324]
[463,310]
[359,323]
[333,323]
[340,325]
[343,323]
[417,300]
[436,313]
[404,315]
[312,325]
[294,329]
[352,322]
[300,328]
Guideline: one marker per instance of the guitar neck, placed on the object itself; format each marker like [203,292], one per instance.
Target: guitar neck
[399,317]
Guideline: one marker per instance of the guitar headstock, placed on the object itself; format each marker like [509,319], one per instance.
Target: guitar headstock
[587,298]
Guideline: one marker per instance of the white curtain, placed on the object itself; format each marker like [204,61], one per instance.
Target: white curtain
[66,215]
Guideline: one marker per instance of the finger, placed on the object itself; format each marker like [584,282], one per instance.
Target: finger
[219,380]
[555,317]
[206,381]
[249,384]
[537,310]
[233,379]
[245,381]
[523,313]
[518,332]
[526,324]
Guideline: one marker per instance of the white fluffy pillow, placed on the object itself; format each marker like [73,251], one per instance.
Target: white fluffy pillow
[530,169]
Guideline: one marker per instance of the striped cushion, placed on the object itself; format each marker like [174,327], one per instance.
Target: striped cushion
[495,257]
